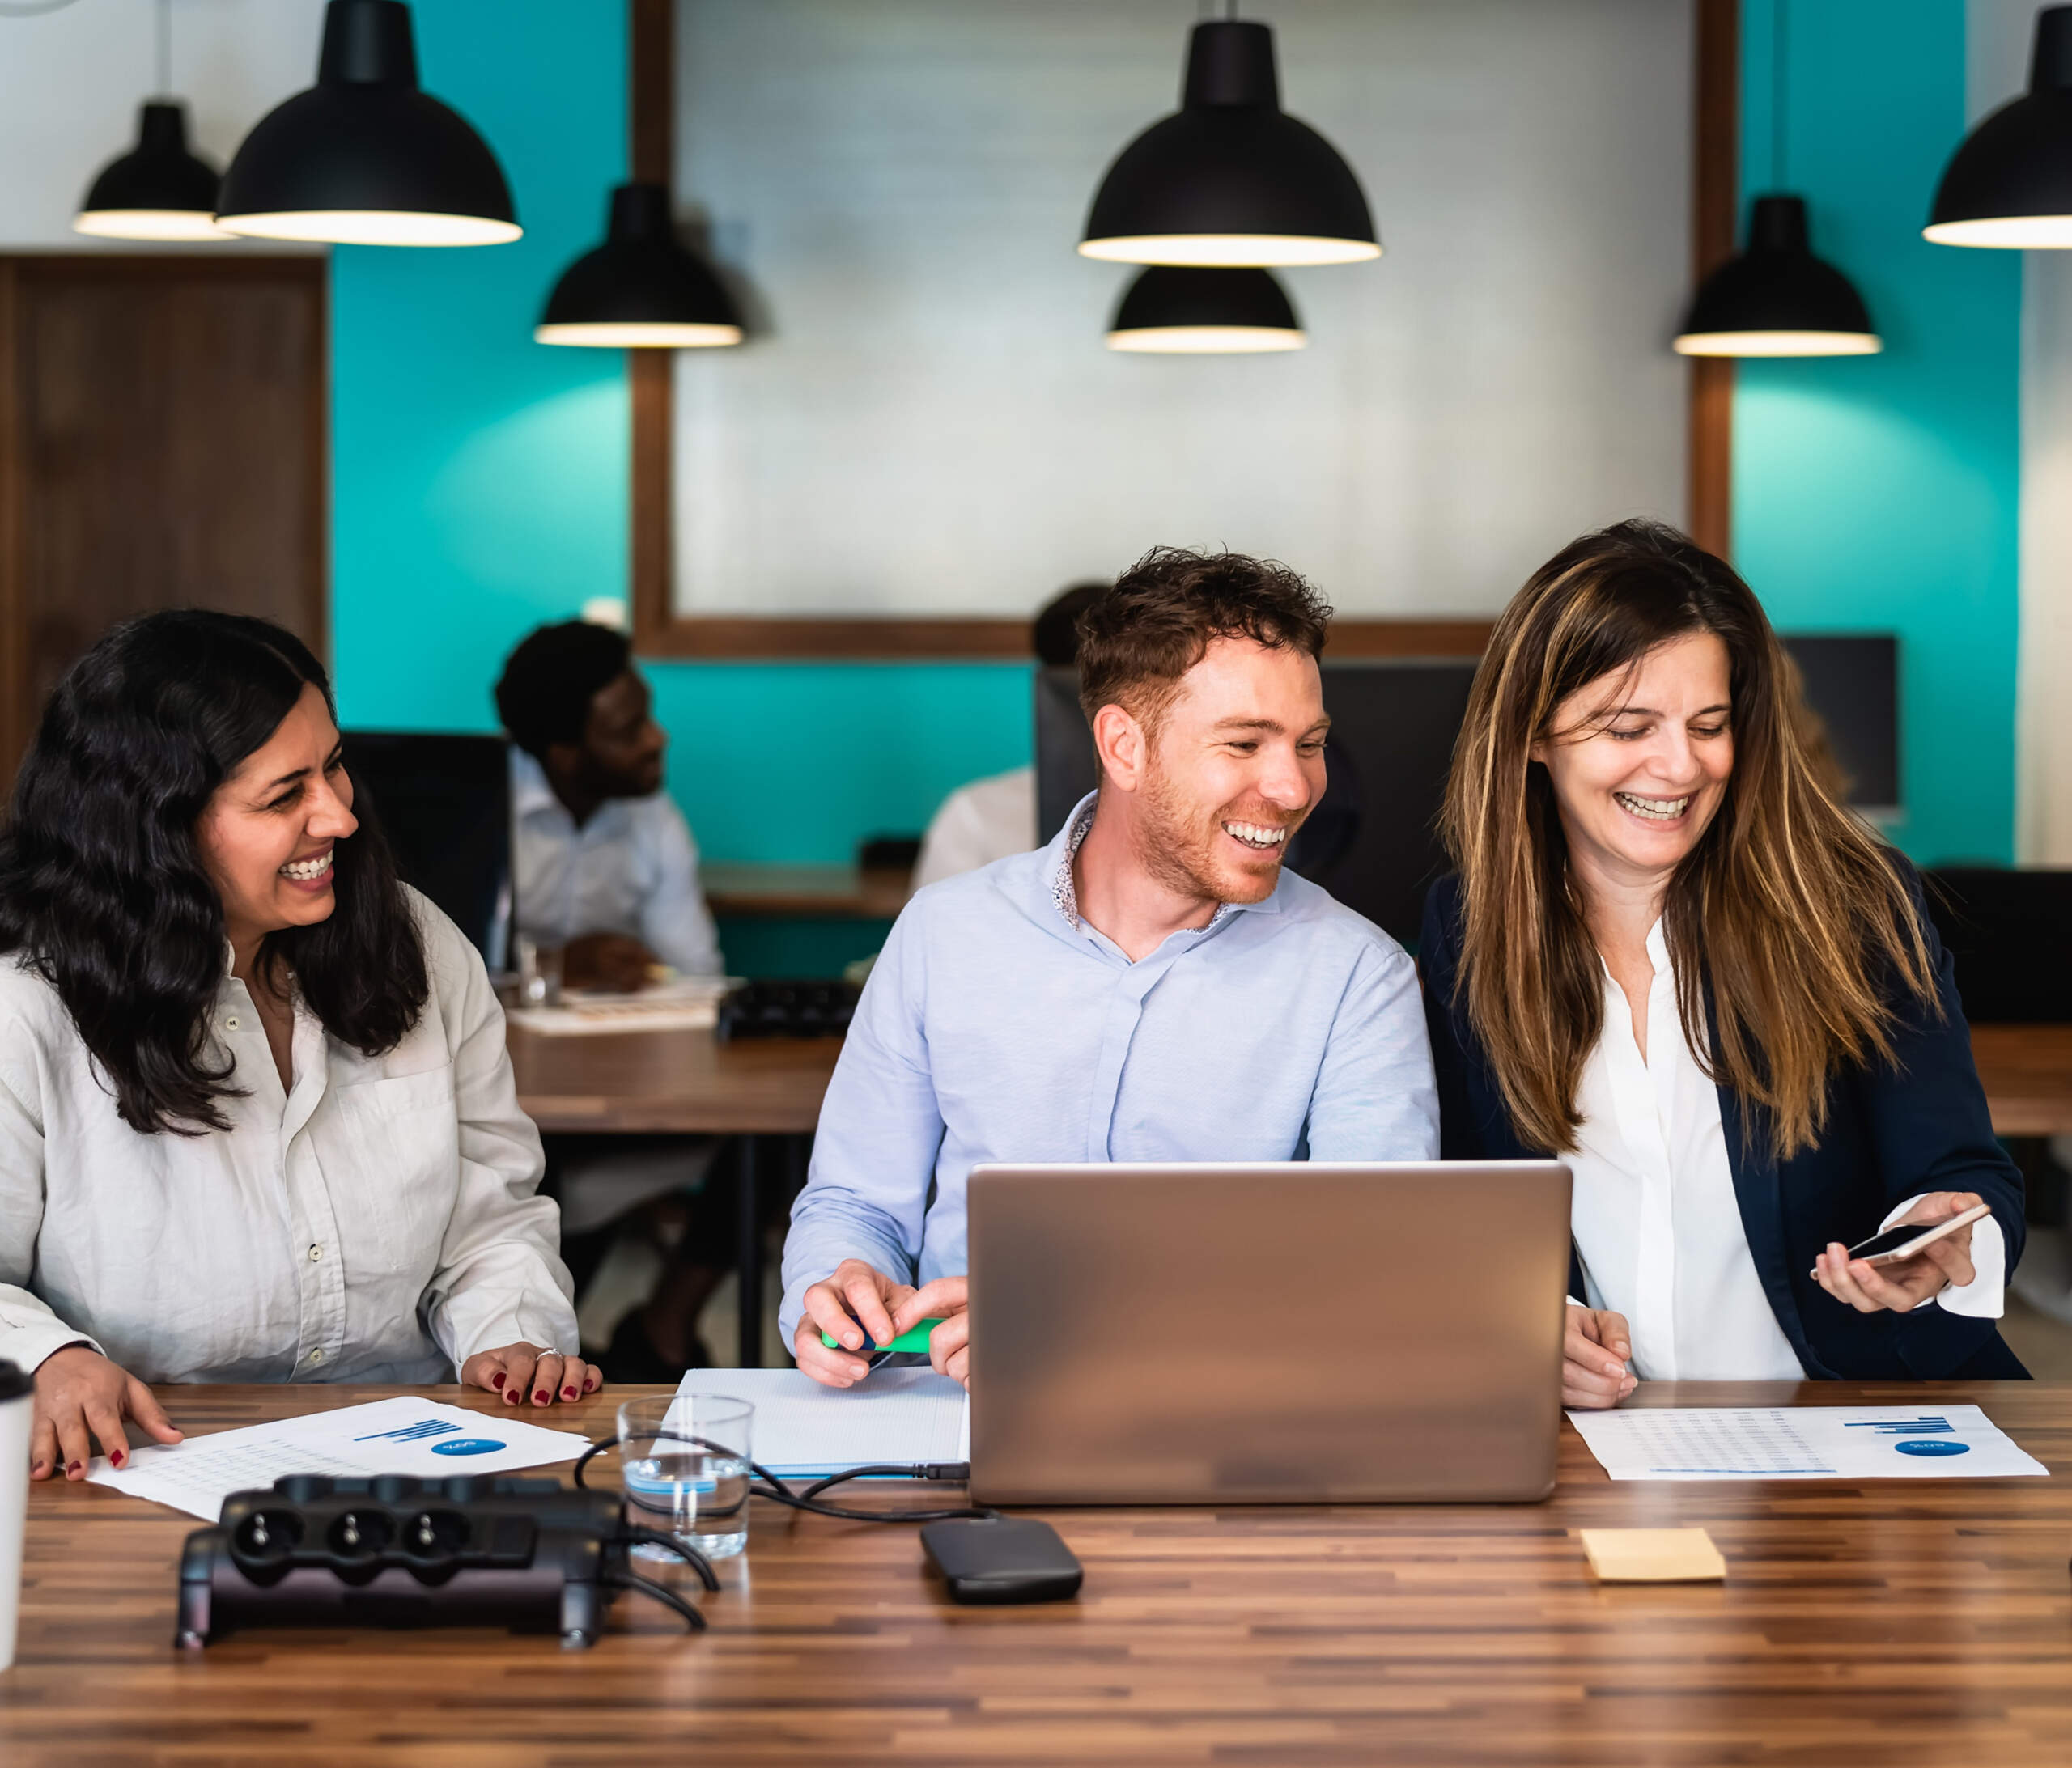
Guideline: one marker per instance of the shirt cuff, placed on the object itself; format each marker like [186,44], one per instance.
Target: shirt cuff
[1985,1297]
[29,1346]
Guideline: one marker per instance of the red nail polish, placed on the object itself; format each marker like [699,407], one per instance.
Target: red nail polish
[71,1467]
[539,1397]
[496,1381]
[568,1393]
[115,1459]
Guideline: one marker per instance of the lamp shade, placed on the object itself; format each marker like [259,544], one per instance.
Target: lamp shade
[2009,184]
[159,190]
[1776,299]
[363,157]
[641,288]
[1230,178]
[1182,310]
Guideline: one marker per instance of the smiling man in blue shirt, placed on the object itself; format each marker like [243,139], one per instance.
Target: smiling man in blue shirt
[1150,986]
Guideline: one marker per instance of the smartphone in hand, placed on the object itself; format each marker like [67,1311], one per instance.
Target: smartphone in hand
[1907,1239]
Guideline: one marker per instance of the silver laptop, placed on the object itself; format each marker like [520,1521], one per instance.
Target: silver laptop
[1272,1332]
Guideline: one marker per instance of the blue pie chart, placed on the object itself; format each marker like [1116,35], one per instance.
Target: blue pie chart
[465,1445]
[1934,1445]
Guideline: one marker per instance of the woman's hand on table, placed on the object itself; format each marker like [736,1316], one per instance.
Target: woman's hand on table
[1594,1348]
[79,1391]
[523,1371]
[1901,1288]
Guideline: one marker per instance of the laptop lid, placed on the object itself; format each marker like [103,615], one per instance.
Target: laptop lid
[1266,1333]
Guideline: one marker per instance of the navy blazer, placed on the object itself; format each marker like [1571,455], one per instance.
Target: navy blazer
[1892,1130]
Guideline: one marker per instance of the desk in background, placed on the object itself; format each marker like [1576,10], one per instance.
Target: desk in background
[685,1082]
[802,920]
[1907,1621]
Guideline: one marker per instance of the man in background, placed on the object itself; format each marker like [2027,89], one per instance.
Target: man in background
[604,866]
[996,817]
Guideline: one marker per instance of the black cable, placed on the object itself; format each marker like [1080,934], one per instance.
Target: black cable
[778,1493]
[661,1592]
[958,1471]
[654,1537]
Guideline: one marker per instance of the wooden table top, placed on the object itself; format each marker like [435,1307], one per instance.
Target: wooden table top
[1911,1622]
[680,1082]
[684,1081]
[2027,1073]
[810,892]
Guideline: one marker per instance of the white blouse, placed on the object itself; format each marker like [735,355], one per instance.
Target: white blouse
[376,1221]
[1657,1226]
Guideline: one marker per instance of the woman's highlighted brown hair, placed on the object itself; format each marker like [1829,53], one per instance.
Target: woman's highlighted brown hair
[1788,907]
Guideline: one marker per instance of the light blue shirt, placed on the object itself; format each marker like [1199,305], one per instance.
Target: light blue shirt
[632,868]
[997,1025]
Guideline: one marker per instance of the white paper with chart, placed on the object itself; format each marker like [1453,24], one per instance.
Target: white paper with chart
[402,1435]
[1810,1442]
[905,1414]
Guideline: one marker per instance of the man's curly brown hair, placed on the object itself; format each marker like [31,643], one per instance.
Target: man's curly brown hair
[1137,639]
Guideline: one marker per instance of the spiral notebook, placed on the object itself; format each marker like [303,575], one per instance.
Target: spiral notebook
[801,1428]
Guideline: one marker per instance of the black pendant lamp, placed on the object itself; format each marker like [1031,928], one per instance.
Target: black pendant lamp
[642,288]
[1230,178]
[364,157]
[2010,184]
[1776,299]
[160,189]
[1182,310]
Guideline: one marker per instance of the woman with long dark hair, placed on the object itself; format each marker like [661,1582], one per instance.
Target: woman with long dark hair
[1670,957]
[256,1119]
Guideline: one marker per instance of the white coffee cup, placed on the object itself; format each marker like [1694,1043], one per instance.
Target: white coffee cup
[16,1403]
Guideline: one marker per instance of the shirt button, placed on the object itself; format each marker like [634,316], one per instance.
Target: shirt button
[230,1025]
[316,1253]
[315,1356]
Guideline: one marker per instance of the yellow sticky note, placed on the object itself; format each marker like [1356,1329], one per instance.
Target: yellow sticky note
[1652,1555]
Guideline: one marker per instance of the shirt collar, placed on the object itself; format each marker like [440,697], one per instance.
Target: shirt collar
[530,793]
[1064,892]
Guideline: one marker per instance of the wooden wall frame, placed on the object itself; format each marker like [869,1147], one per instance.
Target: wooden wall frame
[660,631]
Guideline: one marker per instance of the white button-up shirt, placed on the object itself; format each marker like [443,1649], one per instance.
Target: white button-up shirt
[375,1221]
[987,821]
[632,868]
[1658,1227]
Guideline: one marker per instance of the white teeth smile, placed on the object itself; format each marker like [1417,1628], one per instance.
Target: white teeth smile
[306,871]
[1257,835]
[1660,810]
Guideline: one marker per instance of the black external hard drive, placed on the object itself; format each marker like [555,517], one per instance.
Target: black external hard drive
[1002,1559]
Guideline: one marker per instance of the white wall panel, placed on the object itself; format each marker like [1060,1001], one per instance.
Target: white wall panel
[926,420]
[70,82]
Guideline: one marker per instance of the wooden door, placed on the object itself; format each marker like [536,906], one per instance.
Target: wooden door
[162,445]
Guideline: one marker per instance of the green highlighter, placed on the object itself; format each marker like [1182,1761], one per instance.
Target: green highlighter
[914,1338]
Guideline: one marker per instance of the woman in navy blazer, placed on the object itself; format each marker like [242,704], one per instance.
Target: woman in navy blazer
[1637,812]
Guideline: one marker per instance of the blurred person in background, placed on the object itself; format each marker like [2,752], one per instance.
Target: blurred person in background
[603,863]
[605,869]
[993,817]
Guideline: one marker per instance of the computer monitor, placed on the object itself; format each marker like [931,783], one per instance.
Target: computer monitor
[1372,842]
[444,803]
[1853,685]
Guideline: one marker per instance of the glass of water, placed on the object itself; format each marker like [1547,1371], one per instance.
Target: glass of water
[684,1462]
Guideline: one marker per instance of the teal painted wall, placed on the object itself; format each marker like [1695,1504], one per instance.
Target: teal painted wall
[1880,493]
[481,480]
[481,488]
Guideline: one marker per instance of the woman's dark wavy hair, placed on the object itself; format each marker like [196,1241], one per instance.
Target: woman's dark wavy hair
[102,890]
